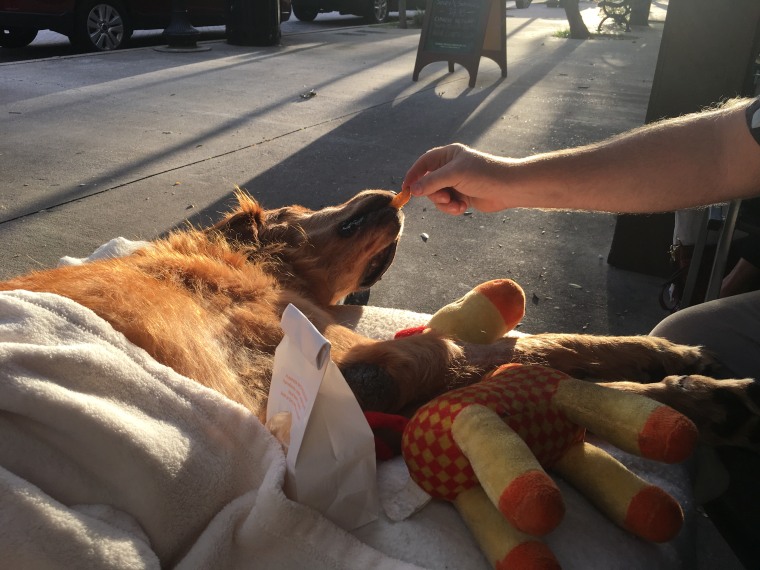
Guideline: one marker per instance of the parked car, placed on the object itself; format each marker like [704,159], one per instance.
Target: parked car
[374,11]
[100,25]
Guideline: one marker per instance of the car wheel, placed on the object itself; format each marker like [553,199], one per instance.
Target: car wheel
[101,25]
[17,37]
[305,13]
[378,12]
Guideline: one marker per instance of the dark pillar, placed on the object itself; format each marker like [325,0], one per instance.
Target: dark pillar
[640,12]
[180,33]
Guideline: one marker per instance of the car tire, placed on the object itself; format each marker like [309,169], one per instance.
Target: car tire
[304,13]
[17,37]
[101,25]
[377,11]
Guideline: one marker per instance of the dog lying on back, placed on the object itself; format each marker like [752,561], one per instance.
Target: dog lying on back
[208,302]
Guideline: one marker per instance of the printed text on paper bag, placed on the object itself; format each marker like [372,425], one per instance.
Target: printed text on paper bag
[295,394]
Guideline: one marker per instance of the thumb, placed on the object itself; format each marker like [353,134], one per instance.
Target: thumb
[430,172]
[433,181]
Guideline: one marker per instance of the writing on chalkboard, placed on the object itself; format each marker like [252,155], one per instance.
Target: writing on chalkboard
[463,31]
[456,25]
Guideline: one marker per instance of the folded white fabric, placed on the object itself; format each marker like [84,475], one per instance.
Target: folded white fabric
[111,460]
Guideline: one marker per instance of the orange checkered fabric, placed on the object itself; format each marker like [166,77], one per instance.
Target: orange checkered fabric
[521,395]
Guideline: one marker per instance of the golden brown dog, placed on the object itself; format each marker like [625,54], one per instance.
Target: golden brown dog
[208,304]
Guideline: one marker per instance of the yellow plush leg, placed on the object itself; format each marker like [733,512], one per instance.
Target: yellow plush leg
[483,315]
[508,471]
[505,547]
[629,421]
[628,500]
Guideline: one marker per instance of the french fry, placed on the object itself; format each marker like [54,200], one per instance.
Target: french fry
[400,199]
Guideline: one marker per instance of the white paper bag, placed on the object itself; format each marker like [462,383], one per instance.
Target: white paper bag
[331,452]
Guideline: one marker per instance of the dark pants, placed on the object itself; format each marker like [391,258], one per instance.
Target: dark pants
[730,329]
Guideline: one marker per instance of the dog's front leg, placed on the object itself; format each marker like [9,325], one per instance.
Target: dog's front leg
[639,358]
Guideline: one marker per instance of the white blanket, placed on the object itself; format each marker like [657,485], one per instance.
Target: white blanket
[111,460]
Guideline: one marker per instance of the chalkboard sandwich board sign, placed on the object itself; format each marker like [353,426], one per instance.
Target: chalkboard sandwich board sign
[463,31]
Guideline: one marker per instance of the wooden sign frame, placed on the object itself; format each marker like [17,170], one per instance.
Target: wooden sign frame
[463,31]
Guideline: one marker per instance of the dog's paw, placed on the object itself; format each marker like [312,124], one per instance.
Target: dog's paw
[668,358]
[727,412]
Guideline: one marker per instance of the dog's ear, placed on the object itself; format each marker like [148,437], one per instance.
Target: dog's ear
[244,223]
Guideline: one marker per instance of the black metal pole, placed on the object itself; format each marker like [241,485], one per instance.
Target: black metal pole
[180,33]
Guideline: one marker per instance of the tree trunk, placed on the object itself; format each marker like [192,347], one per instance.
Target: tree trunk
[402,14]
[578,29]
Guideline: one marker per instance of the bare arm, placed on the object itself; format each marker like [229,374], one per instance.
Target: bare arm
[691,161]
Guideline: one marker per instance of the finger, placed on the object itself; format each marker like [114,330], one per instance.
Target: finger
[454,208]
[431,172]
[440,197]
[433,182]
[448,202]
[431,160]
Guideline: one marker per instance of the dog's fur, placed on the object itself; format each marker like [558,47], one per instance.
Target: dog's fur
[208,304]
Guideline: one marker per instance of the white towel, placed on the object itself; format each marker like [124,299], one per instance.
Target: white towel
[111,460]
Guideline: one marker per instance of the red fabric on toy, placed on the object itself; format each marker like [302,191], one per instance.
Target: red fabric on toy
[410,331]
[388,429]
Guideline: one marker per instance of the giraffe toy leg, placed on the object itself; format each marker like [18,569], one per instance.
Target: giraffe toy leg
[631,422]
[629,501]
[504,546]
[508,471]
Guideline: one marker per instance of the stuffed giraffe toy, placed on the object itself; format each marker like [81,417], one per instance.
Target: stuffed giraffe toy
[485,447]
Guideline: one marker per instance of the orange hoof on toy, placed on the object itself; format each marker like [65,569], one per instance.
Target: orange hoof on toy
[653,515]
[532,554]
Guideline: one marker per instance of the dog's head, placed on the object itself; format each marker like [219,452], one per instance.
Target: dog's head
[327,253]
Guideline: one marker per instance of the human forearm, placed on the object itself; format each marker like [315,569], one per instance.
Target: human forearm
[694,160]
[691,161]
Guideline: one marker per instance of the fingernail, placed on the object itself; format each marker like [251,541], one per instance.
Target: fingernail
[416,189]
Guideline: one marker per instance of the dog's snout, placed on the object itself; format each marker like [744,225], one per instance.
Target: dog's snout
[372,199]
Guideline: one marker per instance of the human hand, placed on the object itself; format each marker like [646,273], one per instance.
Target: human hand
[456,177]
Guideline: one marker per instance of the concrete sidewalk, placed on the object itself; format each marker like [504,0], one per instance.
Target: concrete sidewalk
[132,143]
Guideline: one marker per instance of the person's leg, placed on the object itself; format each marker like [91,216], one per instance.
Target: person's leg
[744,277]
[730,329]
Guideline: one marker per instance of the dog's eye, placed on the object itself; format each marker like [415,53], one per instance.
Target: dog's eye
[349,227]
